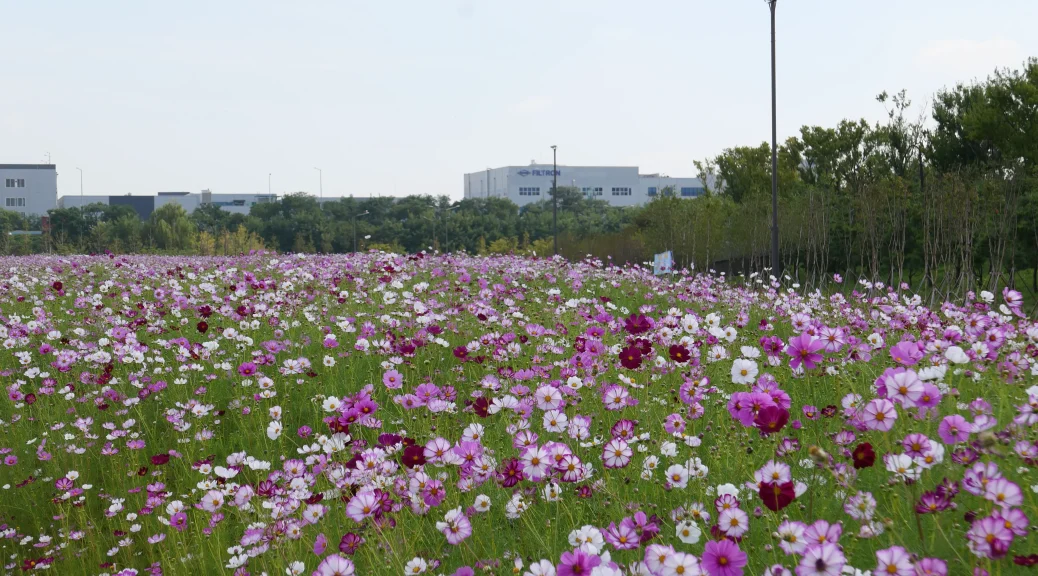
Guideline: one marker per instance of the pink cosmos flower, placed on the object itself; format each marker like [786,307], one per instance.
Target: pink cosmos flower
[804,351]
[733,522]
[989,538]
[577,563]
[906,353]
[905,388]
[616,453]
[954,429]
[455,526]
[723,558]
[821,560]
[335,565]
[393,380]
[894,560]
[879,414]
[1004,493]
[363,505]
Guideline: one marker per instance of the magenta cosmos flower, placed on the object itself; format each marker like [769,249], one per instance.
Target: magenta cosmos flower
[577,563]
[723,558]
[954,429]
[804,351]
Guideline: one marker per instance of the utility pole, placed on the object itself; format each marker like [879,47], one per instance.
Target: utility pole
[320,180]
[80,180]
[776,264]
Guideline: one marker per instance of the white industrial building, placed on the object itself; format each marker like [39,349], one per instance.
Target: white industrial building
[29,189]
[617,185]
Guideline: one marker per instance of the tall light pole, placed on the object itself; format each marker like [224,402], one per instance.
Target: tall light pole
[48,157]
[555,199]
[776,264]
[80,180]
[355,216]
[320,180]
[268,184]
[488,183]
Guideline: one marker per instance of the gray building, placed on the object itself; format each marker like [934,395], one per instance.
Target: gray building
[29,189]
[617,185]
[145,205]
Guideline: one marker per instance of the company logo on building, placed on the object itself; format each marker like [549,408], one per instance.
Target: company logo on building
[525,172]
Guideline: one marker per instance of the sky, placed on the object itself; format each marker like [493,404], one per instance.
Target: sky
[404,97]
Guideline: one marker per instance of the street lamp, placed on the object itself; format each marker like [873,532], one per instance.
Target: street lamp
[268,183]
[776,264]
[80,180]
[555,199]
[355,216]
[320,180]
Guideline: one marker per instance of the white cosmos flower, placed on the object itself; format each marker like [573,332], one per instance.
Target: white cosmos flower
[750,352]
[744,371]
[956,355]
[689,532]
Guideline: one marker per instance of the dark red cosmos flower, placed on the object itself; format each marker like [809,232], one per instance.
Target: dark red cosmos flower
[777,496]
[30,398]
[159,459]
[57,285]
[630,358]
[388,439]
[202,326]
[350,542]
[413,456]
[1031,560]
[510,472]
[637,324]
[679,354]
[864,456]
[461,353]
[771,419]
[481,407]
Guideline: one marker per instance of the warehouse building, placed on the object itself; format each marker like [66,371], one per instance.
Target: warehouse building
[617,185]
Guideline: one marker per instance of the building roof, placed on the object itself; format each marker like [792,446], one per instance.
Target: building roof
[27,167]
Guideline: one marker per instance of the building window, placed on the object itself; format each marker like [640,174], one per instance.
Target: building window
[530,191]
[621,191]
[652,190]
[237,202]
[692,192]
[14,202]
[15,182]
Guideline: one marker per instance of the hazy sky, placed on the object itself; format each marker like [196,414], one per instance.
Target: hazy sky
[403,97]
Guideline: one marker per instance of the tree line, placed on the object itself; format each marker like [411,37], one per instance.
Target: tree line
[946,201]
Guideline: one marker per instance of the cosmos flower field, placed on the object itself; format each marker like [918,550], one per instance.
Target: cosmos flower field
[456,415]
